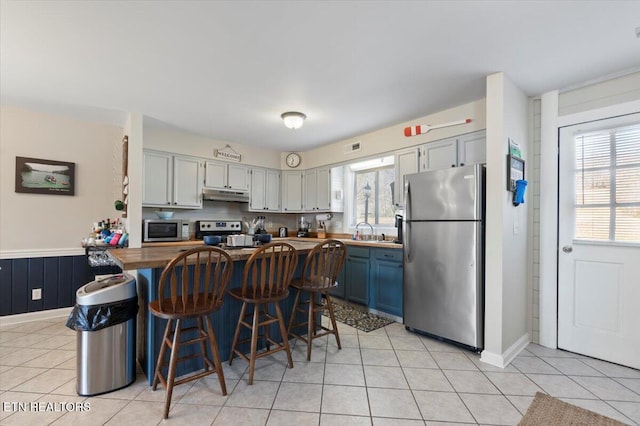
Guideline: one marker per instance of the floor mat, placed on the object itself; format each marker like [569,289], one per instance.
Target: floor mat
[357,318]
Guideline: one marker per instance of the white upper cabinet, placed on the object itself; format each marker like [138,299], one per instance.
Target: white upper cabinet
[292,191]
[317,190]
[187,191]
[472,148]
[406,162]
[310,190]
[439,155]
[462,150]
[157,178]
[226,176]
[265,189]
[323,189]
[171,180]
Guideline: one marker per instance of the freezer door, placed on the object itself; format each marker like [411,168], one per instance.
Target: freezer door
[443,280]
[447,194]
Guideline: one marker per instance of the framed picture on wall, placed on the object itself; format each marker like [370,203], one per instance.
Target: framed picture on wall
[38,176]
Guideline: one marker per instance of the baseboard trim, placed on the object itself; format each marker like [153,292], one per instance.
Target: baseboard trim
[504,359]
[35,316]
[386,315]
[22,254]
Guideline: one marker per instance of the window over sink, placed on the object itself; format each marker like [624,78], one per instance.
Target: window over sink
[372,196]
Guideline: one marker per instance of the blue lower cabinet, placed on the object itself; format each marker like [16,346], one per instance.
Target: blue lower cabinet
[357,275]
[386,281]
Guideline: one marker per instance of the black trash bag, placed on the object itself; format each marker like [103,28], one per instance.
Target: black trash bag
[97,317]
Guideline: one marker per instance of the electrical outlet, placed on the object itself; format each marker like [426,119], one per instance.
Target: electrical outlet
[36,294]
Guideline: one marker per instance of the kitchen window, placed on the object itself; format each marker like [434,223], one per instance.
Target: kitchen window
[607,185]
[372,198]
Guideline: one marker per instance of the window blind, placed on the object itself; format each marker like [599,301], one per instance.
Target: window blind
[607,185]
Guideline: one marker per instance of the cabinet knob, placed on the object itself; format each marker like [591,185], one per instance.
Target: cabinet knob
[453,165]
[461,164]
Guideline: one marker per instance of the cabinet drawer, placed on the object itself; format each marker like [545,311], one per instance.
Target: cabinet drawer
[392,255]
[358,252]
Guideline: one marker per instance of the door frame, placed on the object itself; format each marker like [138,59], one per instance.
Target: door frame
[550,125]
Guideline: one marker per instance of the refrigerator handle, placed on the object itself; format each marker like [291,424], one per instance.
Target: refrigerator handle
[405,240]
[407,216]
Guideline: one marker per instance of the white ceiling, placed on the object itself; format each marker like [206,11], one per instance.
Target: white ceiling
[227,70]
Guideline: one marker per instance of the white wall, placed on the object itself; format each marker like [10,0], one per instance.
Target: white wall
[40,225]
[506,278]
[392,138]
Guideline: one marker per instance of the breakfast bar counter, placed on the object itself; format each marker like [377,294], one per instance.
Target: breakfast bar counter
[149,263]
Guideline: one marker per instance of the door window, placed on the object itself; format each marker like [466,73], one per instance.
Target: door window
[607,185]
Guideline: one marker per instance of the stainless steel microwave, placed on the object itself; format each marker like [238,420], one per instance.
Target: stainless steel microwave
[154,230]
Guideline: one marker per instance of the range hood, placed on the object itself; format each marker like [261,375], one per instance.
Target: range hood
[224,195]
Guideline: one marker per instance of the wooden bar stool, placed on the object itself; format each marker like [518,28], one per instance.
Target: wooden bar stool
[265,280]
[197,280]
[319,275]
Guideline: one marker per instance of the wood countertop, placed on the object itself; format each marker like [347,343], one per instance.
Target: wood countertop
[159,256]
[347,241]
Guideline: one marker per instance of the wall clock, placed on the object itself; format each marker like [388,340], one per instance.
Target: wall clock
[293,159]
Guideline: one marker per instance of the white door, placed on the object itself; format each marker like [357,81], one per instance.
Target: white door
[599,240]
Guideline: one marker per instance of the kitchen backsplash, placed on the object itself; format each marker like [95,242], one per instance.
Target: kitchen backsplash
[230,211]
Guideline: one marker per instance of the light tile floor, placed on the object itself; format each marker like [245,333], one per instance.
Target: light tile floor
[386,377]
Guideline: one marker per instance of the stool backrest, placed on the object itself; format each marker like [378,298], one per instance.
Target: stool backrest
[197,280]
[269,271]
[323,264]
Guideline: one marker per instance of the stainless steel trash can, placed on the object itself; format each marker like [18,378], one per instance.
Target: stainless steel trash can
[106,334]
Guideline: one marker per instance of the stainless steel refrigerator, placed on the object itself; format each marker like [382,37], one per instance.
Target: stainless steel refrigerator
[444,254]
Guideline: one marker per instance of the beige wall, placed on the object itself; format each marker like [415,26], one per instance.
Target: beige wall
[181,142]
[34,224]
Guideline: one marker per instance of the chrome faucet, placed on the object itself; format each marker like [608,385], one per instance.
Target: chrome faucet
[370,227]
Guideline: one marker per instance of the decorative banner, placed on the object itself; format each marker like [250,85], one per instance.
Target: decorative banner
[227,153]
[421,129]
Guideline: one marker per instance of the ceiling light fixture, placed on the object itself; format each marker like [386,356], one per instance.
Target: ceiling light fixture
[292,119]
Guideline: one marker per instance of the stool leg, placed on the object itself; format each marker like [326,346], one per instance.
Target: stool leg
[267,335]
[310,324]
[283,331]
[333,320]
[293,312]
[203,349]
[173,362]
[236,335]
[254,342]
[163,351]
[213,343]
